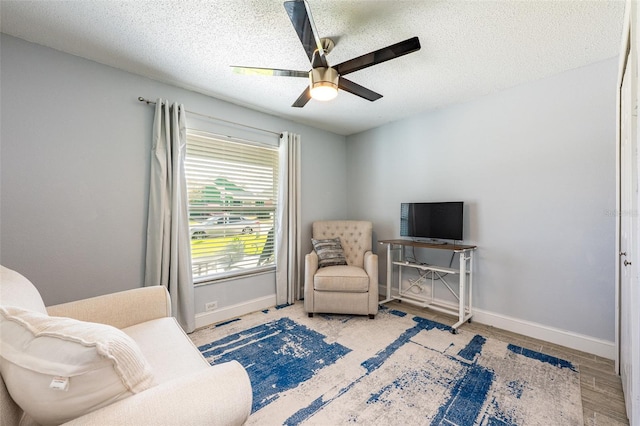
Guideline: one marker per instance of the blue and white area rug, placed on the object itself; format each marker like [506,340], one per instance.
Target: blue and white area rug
[395,369]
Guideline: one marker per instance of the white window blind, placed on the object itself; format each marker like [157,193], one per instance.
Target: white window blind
[233,189]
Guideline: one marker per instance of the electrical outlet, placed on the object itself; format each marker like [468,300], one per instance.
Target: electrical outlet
[211,306]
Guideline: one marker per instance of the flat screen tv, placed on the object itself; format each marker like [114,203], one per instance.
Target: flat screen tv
[440,221]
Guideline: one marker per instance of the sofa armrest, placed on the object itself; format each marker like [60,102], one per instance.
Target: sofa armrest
[120,310]
[371,268]
[220,395]
[310,269]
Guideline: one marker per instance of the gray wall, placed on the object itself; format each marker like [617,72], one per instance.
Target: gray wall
[74,157]
[535,166]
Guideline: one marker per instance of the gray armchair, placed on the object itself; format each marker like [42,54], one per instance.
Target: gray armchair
[343,289]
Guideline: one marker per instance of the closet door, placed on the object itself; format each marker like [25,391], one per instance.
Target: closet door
[629,255]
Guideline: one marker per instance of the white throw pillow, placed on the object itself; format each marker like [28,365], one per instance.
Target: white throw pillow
[57,369]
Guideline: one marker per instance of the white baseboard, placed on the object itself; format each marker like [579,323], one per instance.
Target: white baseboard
[569,339]
[229,312]
[592,345]
[580,342]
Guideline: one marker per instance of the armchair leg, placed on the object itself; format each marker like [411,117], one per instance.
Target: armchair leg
[310,314]
[371,316]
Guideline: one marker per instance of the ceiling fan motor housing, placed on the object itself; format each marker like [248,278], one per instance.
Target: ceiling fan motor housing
[323,83]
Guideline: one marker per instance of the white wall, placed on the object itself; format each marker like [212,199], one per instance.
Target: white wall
[535,166]
[74,157]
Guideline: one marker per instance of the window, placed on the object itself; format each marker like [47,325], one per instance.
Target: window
[233,189]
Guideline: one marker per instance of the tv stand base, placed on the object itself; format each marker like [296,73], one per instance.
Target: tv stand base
[463,310]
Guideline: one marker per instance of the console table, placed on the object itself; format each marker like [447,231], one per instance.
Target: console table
[464,273]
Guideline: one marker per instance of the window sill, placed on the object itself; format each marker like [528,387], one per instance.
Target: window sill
[233,275]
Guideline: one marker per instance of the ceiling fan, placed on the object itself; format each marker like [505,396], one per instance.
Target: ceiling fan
[325,80]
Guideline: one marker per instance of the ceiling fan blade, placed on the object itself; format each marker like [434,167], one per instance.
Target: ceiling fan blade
[300,16]
[356,89]
[269,72]
[379,56]
[303,98]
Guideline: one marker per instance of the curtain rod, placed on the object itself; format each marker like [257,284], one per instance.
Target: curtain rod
[148,102]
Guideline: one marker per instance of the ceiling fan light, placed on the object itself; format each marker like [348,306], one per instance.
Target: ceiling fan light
[324,91]
[324,83]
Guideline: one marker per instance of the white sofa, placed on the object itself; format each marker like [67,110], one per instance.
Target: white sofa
[184,389]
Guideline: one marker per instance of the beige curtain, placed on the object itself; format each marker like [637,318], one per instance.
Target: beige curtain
[168,260]
[288,223]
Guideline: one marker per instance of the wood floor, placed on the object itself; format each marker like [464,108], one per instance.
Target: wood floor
[601,388]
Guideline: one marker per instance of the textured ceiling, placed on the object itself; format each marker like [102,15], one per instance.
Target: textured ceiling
[469,48]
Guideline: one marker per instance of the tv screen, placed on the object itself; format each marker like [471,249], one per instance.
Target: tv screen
[432,220]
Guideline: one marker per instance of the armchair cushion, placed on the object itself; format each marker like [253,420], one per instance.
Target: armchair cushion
[329,251]
[73,367]
[167,348]
[342,279]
